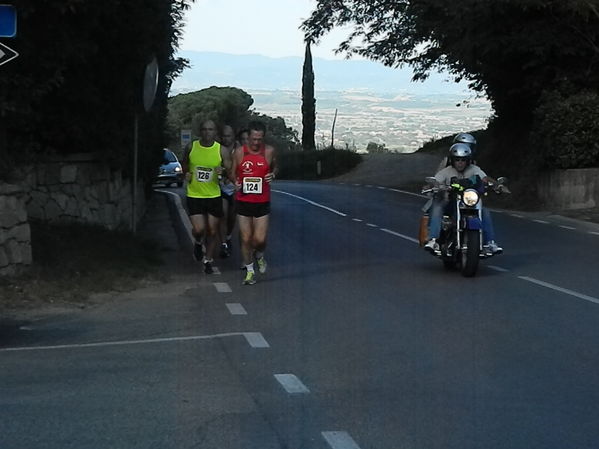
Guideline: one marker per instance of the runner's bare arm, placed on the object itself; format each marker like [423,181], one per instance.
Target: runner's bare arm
[272,163]
[185,162]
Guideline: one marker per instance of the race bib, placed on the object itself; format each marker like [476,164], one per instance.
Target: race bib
[203,174]
[252,185]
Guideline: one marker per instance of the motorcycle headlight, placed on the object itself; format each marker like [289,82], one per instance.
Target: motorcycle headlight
[470,197]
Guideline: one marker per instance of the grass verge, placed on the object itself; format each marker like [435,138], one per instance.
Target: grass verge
[71,262]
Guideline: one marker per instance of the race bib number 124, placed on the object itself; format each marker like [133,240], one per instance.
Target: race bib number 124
[252,185]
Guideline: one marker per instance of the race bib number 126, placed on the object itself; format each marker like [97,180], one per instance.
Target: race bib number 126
[252,185]
[203,174]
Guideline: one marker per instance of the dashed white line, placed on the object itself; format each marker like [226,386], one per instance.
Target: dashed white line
[216,270]
[496,268]
[340,440]
[560,289]
[516,215]
[381,187]
[256,340]
[571,228]
[358,220]
[311,202]
[408,193]
[236,309]
[593,232]
[357,185]
[291,384]
[541,221]
[368,185]
[253,338]
[222,287]
[371,225]
[397,234]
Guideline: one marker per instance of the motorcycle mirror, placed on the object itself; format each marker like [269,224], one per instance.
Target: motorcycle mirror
[502,180]
[430,180]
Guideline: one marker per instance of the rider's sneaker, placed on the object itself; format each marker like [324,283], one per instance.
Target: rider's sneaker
[208,267]
[198,252]
[250,278]
[432,246]
[261,261]
[493,248]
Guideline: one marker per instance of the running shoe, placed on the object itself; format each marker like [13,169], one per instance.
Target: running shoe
[250,278]
[224,250]
[198,252]
[208,268]
[261,265]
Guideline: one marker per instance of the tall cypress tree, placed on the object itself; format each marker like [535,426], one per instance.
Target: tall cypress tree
[308,102]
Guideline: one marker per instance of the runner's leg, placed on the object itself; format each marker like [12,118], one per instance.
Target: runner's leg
[245,233]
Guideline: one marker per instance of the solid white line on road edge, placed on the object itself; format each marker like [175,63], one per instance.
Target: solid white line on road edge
[359,220]
[249,336]
[541,221]
[291,384]
[311,202]
[397,234]
[222,287]
[256,340]
[408,193]
[560,289]
[371,225]
[593,232]
[496,268]
[236,309]
[571,228]
[340,440]
[184,218]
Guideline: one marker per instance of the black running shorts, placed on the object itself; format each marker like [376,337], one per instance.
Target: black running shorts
[202,206]
[252,209]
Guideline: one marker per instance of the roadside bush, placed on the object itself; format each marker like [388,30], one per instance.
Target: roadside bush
[304,164]
[566,130]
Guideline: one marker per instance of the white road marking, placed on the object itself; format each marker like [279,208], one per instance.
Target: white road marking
[292,384]
[312,203]
[358,185]
[593,232]
[568,227]
[216,270]
[517,216]
[496,268]
[357,219]
[256,340]
[381,187]
[222,287]
[419,195]
[397,234]
[340,440]
[251,338]
[541,221]
[368,185]
[236,309]
[371,225]
[560,289]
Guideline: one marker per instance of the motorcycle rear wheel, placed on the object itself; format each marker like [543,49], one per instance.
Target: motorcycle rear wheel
[470,255]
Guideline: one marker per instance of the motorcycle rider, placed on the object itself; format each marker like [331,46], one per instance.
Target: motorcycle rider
[461,167]
[466,138]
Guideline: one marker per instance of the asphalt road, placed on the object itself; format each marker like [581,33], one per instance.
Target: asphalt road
[355,338]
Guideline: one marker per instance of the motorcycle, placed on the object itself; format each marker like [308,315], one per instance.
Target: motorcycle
[460,241]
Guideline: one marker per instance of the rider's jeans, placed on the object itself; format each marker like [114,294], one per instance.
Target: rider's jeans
[436,214]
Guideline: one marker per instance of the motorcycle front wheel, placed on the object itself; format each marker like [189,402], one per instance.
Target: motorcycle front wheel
[470,254]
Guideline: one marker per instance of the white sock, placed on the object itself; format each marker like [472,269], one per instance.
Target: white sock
[250,267]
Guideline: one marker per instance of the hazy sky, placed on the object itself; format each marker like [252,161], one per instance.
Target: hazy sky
[265,27]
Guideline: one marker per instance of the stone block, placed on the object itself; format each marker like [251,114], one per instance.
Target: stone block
[13,251]
[52,210]
[21,233]
[3,257]
[68,174]
[9,218]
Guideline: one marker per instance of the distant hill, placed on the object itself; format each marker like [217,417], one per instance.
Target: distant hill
[261,72]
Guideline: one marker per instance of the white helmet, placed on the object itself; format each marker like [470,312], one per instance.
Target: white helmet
[465,138]
[460,150]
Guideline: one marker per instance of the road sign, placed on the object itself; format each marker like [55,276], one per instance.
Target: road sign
[6,54]
[8,21]
[150,84]
[185,137]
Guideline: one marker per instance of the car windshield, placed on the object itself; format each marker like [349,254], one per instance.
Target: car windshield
[169,156]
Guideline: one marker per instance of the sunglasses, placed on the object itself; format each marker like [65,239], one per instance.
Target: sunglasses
[458,159]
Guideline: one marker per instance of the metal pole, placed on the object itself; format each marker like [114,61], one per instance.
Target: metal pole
[134,188]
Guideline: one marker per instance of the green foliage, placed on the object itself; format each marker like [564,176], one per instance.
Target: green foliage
[304,164]
[308,102]
[566,130]
[512,50]
[77,83]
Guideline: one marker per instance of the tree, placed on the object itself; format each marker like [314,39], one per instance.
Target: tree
[308,102]
[510,50]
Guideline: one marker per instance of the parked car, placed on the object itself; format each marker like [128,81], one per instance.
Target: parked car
[170,172]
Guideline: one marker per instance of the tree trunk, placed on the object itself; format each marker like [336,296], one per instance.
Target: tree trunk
[308,102]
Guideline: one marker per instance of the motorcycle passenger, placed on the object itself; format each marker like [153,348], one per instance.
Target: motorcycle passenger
[461,167]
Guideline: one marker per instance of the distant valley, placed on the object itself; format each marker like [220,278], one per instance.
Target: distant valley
[374,103]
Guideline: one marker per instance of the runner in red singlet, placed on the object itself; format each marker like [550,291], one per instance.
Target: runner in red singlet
[254,168]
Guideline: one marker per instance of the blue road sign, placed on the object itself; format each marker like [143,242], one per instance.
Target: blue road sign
[8,21]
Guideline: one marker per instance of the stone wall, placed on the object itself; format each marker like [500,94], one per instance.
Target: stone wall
[15,233]
[570,189]
[77,189]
